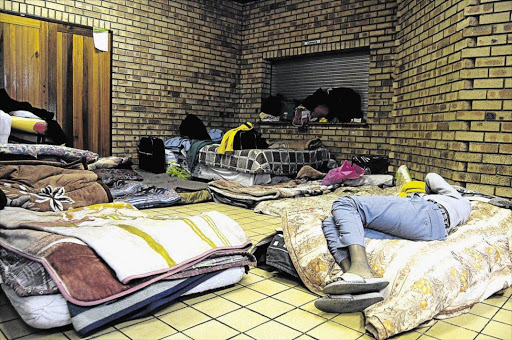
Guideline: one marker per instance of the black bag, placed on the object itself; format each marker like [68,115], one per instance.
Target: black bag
[249,139]
[152,154]
[372,164]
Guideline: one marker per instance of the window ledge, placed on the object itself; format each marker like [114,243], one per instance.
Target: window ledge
[317,124]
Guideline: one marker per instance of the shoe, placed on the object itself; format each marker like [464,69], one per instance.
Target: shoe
[347,303]
[349,283]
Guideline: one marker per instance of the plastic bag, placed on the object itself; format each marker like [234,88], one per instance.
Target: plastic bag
[345,171]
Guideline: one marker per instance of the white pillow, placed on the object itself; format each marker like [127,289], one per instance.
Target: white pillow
[5,127]
[24,114]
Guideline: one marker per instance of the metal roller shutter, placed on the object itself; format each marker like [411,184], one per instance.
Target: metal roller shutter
[297,78]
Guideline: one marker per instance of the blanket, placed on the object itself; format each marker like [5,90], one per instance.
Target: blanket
[145,247]
[67,265]
[42,150]
[143,196]
[49,188]
[427,279]
[249,196]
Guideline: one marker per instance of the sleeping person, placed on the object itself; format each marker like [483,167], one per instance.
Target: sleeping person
[419,217]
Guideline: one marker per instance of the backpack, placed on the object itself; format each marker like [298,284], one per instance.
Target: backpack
[250,139]
[151,154]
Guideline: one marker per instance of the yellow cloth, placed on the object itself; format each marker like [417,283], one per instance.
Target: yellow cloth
[412,187]
[226,145]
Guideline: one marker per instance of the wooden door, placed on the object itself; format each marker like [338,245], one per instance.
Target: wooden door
[56,67]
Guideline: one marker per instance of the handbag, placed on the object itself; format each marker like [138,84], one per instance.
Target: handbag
[151,152]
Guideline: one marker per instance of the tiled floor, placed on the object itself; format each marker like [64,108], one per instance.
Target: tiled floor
[265,305]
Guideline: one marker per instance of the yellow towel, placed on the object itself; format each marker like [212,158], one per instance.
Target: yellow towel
[226,145]
[30,125]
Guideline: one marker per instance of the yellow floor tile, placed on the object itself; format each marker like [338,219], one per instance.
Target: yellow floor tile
[295,296]
[241,336]
[211,330]
[117,335]
[216,307]
[470,321]
[498,330]
[171,308]
[132,322]
[496,300]
[300,320]
[333,330]
[16,328]
[508,304]
[353,321]
[151,329]
[482,309]
[243,296]
[508,292]
[504,316]
[411,335]
[71,334]
[270,307]
[310,307]
[184,318]
[177,336]
[45,335]
[2,337]
[273,330]
[443,330]
[268,287]
[250,278]
[485,337]
[196,298]
[243,319]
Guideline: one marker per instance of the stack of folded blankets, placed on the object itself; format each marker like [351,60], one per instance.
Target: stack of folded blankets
[68,255]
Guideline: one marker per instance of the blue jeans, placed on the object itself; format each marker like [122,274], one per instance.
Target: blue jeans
[382,217]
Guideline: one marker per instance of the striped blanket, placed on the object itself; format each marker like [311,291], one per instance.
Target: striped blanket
[132,244]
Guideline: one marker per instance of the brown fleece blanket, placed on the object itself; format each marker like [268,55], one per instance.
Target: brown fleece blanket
[51,188]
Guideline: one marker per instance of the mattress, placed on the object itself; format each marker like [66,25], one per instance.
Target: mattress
[49,311]
[264,161]
[212,173]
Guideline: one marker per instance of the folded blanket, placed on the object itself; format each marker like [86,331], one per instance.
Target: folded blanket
[143,196]
[38,150]
[306,144]
[110,176]
[49,188]
[248,196]
[144,246]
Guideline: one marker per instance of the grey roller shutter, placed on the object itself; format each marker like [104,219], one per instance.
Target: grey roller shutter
[297,78]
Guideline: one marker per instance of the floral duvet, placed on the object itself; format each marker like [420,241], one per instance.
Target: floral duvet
[437,279]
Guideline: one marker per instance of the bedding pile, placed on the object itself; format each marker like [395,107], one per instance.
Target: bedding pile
[438,279]
[234,193]
[68,259]
[264,161]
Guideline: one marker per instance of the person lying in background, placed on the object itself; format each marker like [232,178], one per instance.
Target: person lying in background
[419,217]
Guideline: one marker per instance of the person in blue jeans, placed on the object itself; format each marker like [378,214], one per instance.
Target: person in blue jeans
[419,217]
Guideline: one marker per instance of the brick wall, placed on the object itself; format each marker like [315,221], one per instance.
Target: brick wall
[278,29]
[169,58]
[452,107]
[440,95]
